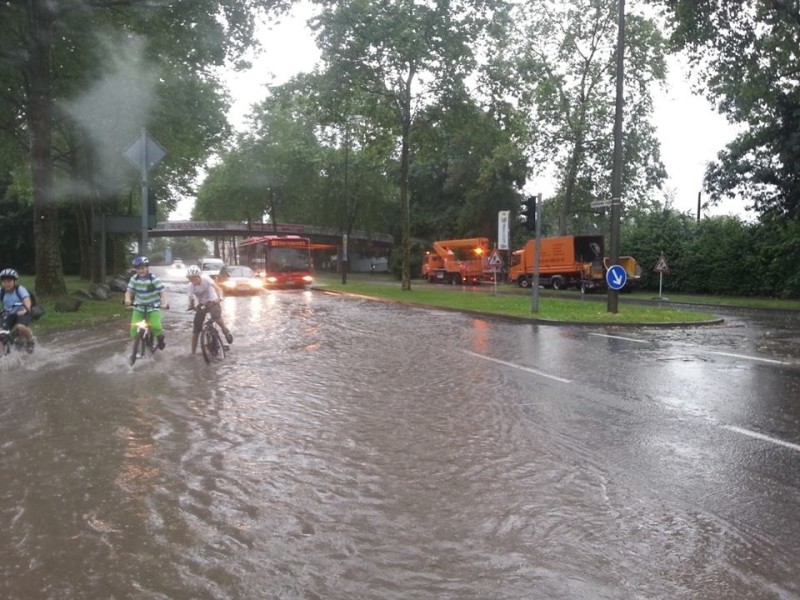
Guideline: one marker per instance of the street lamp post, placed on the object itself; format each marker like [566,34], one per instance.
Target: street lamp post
[351,120]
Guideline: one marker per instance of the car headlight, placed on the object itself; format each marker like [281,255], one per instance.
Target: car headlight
[308,278]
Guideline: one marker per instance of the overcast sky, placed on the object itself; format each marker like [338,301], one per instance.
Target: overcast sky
[690,132]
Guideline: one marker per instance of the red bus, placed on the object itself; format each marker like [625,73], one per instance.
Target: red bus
[280,260]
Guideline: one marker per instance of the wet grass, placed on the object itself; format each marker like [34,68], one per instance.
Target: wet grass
[572,307]
[91,311]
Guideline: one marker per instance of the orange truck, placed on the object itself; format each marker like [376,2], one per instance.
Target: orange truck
[568,261]
[456,261]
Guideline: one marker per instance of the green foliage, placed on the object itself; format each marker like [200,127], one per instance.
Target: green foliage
[719,255]
[467,166]
[566,67]
[744,53]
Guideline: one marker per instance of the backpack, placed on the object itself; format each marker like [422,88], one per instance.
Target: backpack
[37,310]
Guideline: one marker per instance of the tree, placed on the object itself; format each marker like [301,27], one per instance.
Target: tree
[409,54]
[745,59]
[567,67]
[468,164]
[50,52]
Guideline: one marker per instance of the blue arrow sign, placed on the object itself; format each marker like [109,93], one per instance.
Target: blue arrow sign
[616,277]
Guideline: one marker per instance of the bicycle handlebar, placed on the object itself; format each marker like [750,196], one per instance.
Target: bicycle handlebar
[146,307]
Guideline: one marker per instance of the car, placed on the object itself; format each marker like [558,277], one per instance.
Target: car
[178,264]
[239,280]
[211,266]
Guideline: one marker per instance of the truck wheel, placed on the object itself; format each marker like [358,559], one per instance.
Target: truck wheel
[557,283]
[524,282]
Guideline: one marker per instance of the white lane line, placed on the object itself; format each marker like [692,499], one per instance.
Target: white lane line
[761,436]
[619,337]
[744,356]
[516,366]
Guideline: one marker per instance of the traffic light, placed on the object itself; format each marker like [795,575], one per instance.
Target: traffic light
[527,213]
[151,208]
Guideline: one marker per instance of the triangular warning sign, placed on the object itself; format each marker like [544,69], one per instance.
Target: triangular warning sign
[661,265]
[495,260]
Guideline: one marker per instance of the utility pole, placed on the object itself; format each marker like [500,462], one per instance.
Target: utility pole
[537,246]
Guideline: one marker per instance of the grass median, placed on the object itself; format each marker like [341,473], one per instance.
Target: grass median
[91,311]
[570,308]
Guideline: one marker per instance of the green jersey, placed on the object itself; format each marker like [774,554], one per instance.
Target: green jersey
[146,290]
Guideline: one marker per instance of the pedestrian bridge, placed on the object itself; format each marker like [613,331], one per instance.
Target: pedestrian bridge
[318,235]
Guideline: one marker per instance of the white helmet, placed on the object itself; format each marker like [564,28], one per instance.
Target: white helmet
[193,271]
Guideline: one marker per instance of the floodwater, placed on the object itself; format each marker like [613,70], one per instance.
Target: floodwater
[360,450]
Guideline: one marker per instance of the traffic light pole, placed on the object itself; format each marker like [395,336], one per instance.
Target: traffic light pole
[538,230]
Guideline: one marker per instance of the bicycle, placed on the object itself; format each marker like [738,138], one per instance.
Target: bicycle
[211,344]
[144,340]
[10,338]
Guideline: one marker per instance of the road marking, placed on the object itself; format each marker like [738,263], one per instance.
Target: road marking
[761,436]
[619,337]
[516,366]
[767,360]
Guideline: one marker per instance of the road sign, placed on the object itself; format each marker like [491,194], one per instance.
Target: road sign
[494,260]
[601,203]
[661,265]
[616,277]
[502,229]
[145,153]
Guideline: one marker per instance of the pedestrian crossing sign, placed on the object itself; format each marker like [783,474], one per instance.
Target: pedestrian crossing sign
[661,265]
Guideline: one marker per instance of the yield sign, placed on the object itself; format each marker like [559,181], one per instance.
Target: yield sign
[145,153]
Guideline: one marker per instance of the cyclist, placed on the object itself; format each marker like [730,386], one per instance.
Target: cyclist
[207,293]
[144,288]
[17,307]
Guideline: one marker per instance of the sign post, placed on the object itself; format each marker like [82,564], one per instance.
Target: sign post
[661,268]
[495,264]
[144,154]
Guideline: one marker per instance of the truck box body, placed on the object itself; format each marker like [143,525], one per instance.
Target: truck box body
[456,261]
[569,261]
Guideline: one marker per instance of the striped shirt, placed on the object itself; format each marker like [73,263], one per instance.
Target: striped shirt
[146,290]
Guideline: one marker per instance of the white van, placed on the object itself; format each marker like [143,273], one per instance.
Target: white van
[211,266]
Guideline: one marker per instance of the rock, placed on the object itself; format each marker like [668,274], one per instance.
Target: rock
[67,304]
[99,291]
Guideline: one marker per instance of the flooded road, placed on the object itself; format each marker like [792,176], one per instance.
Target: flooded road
[354,449]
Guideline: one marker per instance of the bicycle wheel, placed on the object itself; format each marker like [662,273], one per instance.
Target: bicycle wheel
[150,342]
[138,347]
[211,344]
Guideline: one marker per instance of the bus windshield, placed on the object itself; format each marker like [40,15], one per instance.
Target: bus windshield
[281,259]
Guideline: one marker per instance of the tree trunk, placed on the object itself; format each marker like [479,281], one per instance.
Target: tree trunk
[46,231]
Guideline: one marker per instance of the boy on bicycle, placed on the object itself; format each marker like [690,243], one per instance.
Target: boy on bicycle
[146,290]
[208,295]
[16,308]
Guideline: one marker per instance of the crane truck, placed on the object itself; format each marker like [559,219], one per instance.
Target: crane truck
[456,261]
[568,261]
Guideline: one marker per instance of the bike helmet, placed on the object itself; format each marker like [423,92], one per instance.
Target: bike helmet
[141,261]
[193,271]
[9,274]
